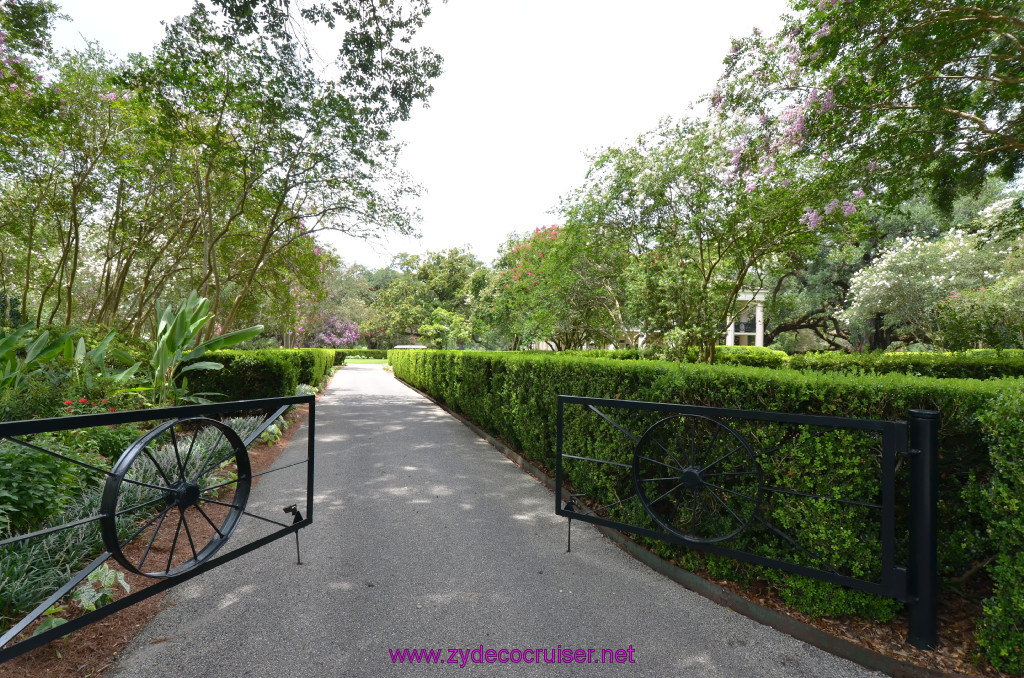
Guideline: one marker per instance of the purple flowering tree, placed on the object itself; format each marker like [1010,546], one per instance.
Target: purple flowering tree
[898,93]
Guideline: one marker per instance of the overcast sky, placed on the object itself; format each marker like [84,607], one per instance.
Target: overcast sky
[529,88]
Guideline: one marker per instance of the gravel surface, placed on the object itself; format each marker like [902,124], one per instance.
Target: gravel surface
[424,536]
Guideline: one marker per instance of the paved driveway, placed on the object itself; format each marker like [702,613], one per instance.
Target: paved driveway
[424,536]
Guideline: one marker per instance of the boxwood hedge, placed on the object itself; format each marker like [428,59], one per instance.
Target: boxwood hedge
[981,364]
[513,395]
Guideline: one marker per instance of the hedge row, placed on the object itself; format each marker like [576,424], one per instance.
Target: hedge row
[752,356]
[341,353]
[314,363]
[514,397]
[1001,632]
[983,364]
[264,373]
[977,364]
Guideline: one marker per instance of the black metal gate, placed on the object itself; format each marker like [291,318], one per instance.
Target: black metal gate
[187,477]
[703,478]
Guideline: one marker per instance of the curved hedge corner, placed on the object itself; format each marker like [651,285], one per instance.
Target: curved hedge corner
[513,395]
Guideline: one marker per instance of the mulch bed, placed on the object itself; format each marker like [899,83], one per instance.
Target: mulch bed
[90,651]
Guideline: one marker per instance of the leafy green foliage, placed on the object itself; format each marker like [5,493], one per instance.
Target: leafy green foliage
[19,356]
[51,620]
[99,588]
[314,364]
[266,373]
[34,487]
[893,93]
[341,354]
[1001,630]
[177,342]
[974,364]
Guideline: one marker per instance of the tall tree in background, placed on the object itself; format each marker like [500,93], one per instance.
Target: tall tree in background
[894,94]
[702,217]
[207,165]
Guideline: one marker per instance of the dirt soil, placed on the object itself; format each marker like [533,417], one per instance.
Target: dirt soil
[90,651]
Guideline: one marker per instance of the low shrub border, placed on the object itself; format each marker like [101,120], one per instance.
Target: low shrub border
[513,396]
[981,364]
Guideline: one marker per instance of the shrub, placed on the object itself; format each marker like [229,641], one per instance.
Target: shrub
[313,363]
[34,486]
[753,356]
[340,354]
[247,375]
[1001,630]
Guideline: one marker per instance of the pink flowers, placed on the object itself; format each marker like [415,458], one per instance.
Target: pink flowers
[828,101]
[849,209]
[811,218]
[859,194]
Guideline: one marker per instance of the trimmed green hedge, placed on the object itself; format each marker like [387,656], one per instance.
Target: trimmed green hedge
[341,353]
[514,396]
[247,375]
[314,363]
[261,373]
[1001,631]
[982,364]
[752,356]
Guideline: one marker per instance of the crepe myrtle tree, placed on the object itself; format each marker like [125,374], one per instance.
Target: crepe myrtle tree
[705,209]
[892,94]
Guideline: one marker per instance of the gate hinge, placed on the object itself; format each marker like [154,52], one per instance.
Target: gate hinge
[911,452]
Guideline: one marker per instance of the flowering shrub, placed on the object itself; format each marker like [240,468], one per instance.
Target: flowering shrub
[102,444]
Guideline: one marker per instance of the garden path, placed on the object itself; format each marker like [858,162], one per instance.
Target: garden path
[425,536]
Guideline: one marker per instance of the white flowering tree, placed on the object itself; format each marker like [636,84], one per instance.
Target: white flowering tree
[908,280]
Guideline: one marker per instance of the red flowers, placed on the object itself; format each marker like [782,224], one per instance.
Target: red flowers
[67,402]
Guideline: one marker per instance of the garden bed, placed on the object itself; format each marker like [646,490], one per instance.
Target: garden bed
[91,651]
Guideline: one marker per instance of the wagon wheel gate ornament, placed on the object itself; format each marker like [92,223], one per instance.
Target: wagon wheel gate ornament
[169,504]
[697,478]
[701,483]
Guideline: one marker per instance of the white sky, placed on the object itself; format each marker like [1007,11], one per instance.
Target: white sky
[529,88]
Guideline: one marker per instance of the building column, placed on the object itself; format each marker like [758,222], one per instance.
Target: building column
[759,326]
[730,332]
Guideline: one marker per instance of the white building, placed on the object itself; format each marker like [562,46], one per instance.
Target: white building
[747,328]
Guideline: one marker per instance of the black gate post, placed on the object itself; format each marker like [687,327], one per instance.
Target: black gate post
[923,575]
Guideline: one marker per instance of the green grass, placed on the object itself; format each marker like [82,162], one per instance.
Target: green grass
[366,361]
